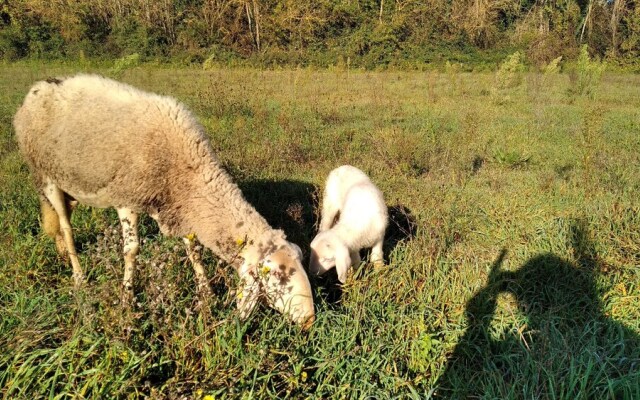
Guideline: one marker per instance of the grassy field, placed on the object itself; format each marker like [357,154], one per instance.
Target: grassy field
[513,264]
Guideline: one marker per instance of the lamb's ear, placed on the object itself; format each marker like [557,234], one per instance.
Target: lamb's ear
[297,249]
[343,262]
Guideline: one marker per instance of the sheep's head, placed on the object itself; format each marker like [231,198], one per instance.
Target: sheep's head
[280,280]
[328,251]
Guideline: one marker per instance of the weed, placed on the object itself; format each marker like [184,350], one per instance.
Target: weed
[586,75]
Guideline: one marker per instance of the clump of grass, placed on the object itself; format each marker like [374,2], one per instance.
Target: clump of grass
[509,74]
[585,77]
[124,63]
[408,153]
[511,158]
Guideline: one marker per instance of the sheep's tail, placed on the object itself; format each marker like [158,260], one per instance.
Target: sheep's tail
[50,220]
[51,223]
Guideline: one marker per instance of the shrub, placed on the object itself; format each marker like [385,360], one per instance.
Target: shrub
[585,77]
[509,75]
[553,67]
[125,62]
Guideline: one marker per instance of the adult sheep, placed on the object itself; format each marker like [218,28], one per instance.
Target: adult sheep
[108,144]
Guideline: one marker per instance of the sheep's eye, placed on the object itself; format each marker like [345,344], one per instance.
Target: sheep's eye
[326,259]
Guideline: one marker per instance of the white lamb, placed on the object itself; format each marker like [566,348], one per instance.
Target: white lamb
[361,213]
[107,144]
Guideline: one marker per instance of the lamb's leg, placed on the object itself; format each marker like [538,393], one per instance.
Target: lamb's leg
[376,254]
[130,249]
[57,200]
[196,260]
[355,257]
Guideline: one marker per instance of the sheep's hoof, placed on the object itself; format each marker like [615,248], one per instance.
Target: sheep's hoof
[61,248]
[78,280]
[126,298]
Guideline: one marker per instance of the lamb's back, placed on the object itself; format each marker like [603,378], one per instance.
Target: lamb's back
[340,181]
[364,211]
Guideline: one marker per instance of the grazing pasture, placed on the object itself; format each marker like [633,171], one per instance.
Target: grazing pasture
[512,256]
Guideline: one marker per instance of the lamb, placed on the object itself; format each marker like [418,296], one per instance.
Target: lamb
[102,143]
[354,216]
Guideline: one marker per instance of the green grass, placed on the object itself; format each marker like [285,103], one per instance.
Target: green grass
[522,278]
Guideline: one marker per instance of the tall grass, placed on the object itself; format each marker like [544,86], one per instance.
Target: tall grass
[512,267]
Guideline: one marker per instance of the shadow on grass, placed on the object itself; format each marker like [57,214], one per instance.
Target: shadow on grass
[285,204]
[566,346]
[402,227]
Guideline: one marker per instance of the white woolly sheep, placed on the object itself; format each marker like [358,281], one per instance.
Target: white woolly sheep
[107,144]
[361,213]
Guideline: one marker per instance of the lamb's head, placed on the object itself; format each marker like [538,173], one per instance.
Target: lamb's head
[279,279]
[327,251]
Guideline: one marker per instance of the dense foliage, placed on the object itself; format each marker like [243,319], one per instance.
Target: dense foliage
[363,33]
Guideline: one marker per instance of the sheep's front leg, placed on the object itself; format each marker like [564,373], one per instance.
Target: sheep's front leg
[51,225]
[56,198]
[131,248]
[248,294]
[193,252]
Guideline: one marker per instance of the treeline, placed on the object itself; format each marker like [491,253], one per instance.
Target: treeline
[362,33]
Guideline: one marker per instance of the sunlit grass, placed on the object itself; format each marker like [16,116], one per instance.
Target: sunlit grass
[547,175]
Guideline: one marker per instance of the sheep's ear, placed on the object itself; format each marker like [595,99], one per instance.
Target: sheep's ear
[343,262]
[248,294]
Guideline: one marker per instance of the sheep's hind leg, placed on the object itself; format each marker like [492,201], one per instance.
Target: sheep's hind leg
[58,202]
[131,248]
[193,252]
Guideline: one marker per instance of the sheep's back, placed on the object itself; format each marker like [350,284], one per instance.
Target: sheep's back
[104,143]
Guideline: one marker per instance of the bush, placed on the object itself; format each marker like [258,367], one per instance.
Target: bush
[585,77]
[509,75]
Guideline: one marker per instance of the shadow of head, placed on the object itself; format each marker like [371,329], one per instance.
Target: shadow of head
[285,204]
[548,285]
[402,227]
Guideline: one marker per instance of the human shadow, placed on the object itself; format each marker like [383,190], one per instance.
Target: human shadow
[565,347]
